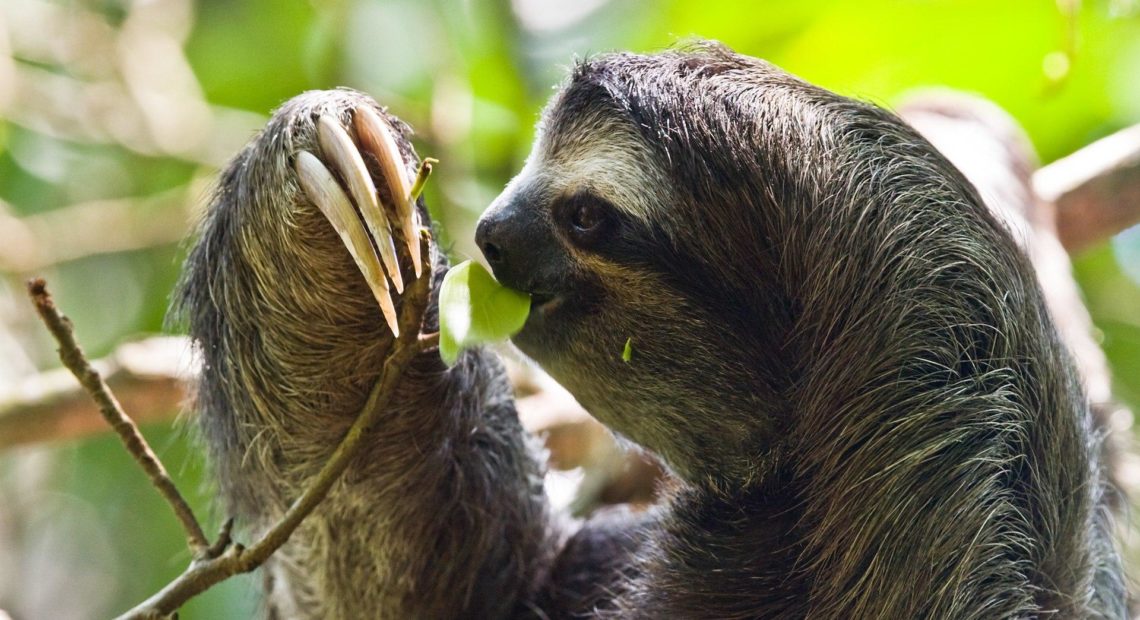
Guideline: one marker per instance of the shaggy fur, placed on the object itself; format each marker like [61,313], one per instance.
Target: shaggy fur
[837,349]
[443,514]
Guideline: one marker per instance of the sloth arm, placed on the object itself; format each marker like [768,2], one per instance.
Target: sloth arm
[444,513]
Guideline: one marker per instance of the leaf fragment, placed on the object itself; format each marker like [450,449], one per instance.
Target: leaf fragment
[475,309]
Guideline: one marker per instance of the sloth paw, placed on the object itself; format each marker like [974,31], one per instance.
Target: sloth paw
[339,183]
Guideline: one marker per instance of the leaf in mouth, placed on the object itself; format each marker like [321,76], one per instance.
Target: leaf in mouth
[475,309]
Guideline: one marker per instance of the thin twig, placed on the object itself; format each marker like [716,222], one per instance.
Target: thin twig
[224,540]
[227,561]
[73,358]
[422,176]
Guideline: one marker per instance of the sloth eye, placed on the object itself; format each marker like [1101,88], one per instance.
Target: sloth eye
[586,218]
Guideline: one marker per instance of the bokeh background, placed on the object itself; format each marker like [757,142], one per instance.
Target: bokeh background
[116,115]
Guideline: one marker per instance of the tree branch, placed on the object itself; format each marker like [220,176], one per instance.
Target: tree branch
[31,243]
[148,377]
[1096,190]
[73,358]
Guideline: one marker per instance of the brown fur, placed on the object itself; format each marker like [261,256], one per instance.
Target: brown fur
[292,342]
[840,353]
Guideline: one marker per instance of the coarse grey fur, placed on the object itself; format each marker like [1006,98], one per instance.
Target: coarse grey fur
[839,352]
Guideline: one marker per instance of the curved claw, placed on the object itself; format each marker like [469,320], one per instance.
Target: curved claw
[375,136]
[338,148]
[324,191]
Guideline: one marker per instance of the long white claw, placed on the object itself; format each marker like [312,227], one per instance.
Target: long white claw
[337,147]
[375,136]
[326,193]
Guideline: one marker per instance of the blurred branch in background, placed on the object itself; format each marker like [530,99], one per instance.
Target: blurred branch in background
[129,85]
[1096,190]
[150,378]
[39,241]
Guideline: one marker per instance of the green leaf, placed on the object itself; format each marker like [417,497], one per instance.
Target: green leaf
[475,309]
[627,352]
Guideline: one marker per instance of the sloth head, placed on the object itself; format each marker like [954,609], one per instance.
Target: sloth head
[692,203]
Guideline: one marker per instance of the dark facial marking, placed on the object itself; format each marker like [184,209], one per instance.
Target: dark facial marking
[586,218]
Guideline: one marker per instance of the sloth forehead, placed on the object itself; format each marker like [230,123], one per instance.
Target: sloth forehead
[646,131]
[662,137]
[599,153]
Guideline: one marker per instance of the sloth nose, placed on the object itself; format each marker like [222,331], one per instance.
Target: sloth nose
[518,244]
[486,239]
[508,240]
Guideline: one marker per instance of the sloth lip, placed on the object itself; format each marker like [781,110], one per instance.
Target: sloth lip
[544,302]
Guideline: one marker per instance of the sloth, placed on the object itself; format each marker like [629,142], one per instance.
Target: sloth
[839,353]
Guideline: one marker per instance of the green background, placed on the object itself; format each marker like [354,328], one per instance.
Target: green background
[471,77]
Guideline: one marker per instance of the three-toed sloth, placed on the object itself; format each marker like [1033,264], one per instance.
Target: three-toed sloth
[837,350]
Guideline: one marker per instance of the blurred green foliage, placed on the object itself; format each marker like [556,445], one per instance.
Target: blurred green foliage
[470,76]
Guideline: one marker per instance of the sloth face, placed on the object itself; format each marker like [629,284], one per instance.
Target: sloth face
[564,231]
[621,236]
[748,234]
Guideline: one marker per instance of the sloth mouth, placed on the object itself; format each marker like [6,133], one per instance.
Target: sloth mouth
[544,303]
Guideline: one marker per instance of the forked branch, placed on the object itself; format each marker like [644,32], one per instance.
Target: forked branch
[73,358]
